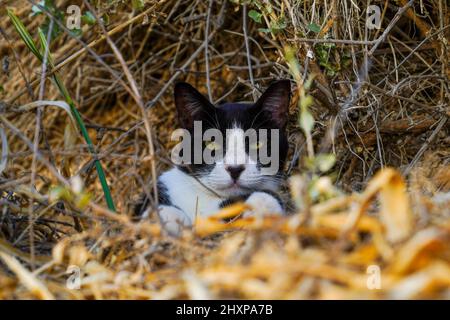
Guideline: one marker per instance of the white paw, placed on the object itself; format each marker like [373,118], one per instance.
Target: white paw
[173,220]
[263,204]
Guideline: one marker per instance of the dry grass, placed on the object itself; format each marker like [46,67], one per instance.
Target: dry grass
[393,116]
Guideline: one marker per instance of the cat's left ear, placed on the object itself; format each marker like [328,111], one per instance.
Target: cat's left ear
[275,102]
[191,105]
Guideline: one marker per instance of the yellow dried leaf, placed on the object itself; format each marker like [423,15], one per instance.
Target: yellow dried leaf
[423,282]
[419,249]
[26,277]
[230,211]
[395,207]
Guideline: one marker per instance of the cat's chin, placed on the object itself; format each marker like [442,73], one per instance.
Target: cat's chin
[233,190]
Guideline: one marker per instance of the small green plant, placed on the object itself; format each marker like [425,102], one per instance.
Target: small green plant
[138,4]
[263,12]
[60,15]
[314,27]
[255,15]
[28,40]
[88,18]
[325,54]
[276,26]
[74,194]
[316,186]
[48,5]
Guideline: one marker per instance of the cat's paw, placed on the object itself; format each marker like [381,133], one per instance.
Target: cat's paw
[173,220]
[263,204]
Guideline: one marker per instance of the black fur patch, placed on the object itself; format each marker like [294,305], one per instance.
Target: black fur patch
[243,198]
[143,203]
[230,201]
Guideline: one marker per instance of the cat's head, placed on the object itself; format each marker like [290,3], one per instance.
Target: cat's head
[253,147]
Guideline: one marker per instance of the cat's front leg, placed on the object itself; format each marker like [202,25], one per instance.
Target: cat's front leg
[173,220]
[262,204]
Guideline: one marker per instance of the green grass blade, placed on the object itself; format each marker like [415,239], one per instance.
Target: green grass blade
[28,40]
[24,34]
[44,47]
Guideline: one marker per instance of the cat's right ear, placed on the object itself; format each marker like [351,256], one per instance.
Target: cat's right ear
[191,105]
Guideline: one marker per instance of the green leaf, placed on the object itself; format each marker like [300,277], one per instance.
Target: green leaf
[105,19]
[324,55]
[36,10]
[290,56]
[306,102]
[278,25]
[264,30]
[48,6]
[137,4]
[60,193]
[24,34]
[83,200]
[314,27]
[306,121]
[44,47]
[88,18]
[76,32]
[56,30]
[255,15]
[325,162]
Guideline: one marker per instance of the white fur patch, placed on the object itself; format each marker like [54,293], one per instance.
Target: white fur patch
[187,193]
[219,178]
[235,152]
[263,204]
[173,220]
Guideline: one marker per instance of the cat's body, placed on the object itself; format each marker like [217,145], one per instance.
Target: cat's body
[202,189]
[184,191]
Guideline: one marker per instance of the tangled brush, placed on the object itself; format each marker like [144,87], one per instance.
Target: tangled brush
[365,101]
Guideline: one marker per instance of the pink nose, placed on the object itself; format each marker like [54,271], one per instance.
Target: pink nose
[235,171]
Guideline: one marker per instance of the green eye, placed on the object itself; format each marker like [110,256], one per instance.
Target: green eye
[212,145]
[257,145]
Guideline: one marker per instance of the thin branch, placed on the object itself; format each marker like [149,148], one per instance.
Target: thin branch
[36,143]
[86,48]
[208,22]
[137,97]
[390,26]
[247,48]
[424,147]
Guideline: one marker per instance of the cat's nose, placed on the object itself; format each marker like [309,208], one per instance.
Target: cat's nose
[235,171]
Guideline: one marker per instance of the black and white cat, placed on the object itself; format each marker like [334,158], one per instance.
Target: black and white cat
[187,191]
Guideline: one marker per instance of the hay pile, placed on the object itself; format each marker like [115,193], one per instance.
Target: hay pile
[364,236]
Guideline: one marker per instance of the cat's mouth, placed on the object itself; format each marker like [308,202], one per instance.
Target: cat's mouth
[234,187]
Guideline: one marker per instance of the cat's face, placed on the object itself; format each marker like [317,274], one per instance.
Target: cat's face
[253,147]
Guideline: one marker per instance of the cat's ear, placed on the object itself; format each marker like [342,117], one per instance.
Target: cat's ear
[275,102]
[191,105]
